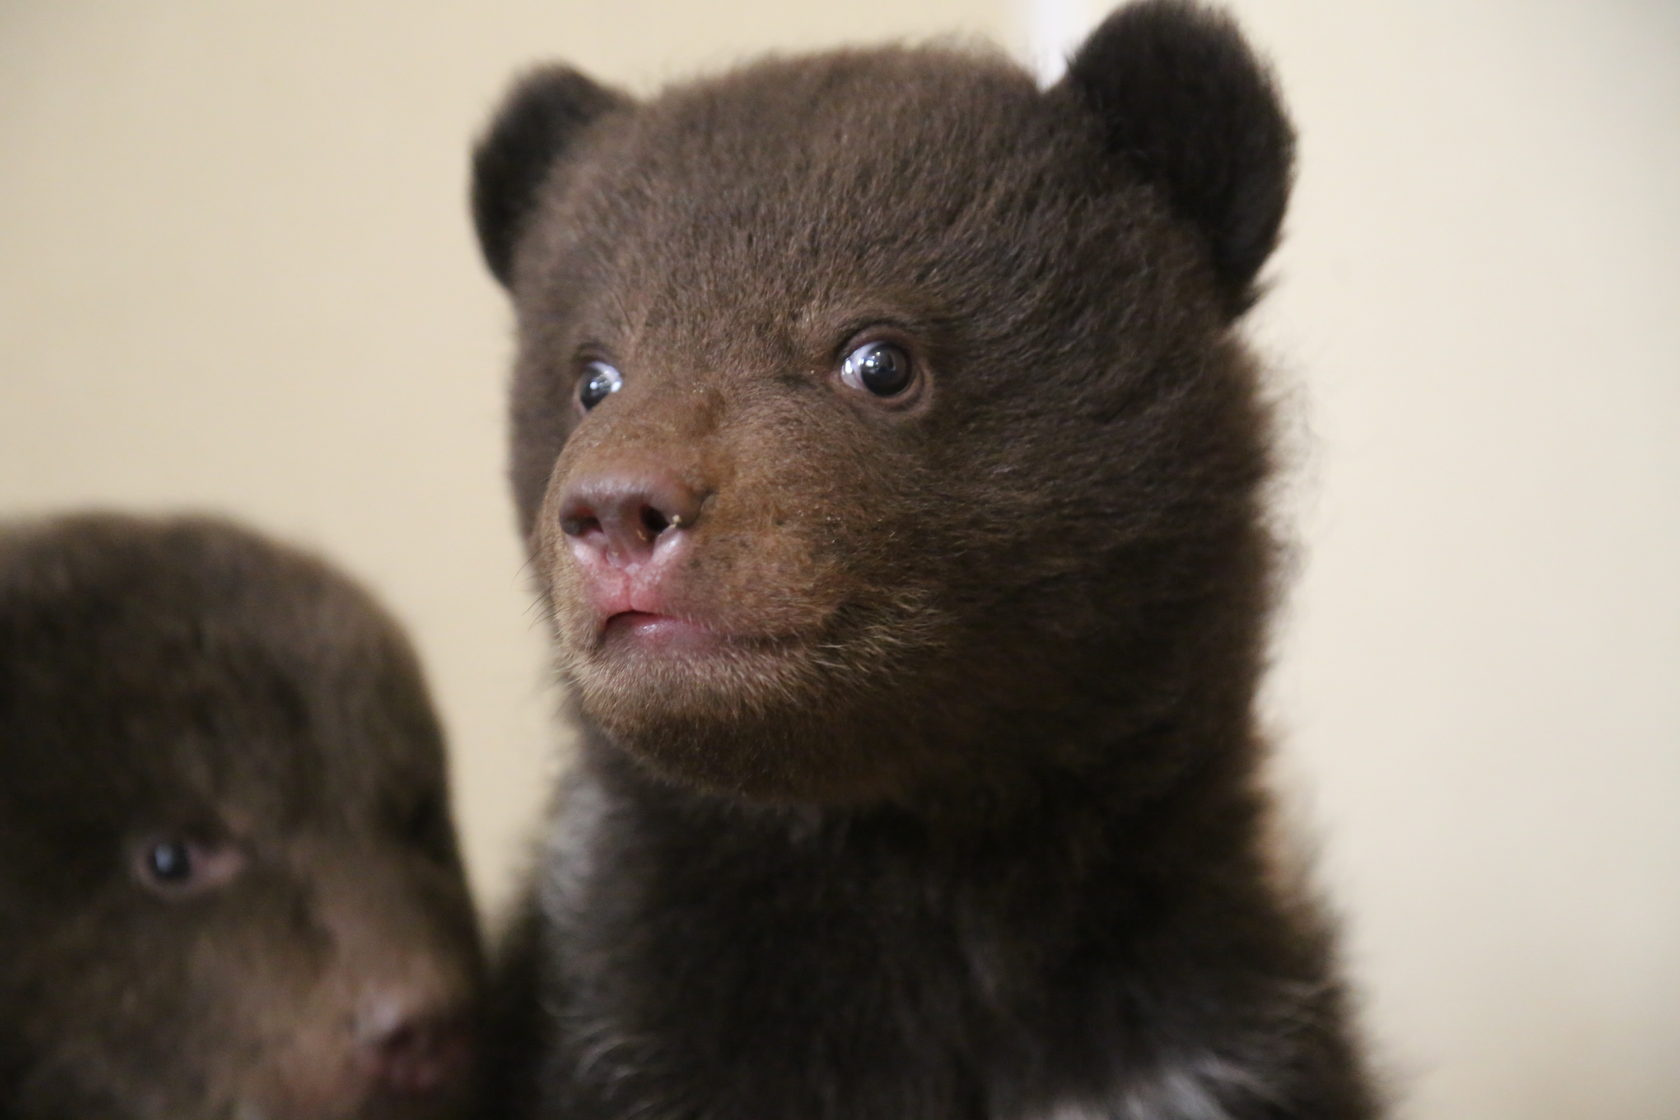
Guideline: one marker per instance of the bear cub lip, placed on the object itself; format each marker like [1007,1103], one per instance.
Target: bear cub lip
[658,633]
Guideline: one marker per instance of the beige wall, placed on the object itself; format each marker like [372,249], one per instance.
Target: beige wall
[236,272]
[1480,681]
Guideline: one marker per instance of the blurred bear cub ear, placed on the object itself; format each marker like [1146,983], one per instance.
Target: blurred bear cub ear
[542,115]
[1181,98]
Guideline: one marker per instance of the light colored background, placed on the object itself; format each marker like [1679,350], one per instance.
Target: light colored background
[236,272]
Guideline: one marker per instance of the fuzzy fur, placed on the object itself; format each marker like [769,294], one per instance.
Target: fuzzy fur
[186,680]
[959,817]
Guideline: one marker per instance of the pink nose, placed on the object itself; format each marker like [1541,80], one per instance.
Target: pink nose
[625,518]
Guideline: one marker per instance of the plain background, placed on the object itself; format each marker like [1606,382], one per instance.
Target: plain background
[236,273]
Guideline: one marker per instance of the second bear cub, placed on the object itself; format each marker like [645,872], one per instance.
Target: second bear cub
[229,882]
[891,470]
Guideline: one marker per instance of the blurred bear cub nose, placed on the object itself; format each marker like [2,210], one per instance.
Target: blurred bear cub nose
[626,517]
[414,1050]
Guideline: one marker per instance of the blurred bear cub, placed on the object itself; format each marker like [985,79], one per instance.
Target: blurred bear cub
[229,886]
[891,467]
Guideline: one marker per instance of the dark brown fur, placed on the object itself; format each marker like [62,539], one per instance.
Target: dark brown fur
[184,681]
[960,817]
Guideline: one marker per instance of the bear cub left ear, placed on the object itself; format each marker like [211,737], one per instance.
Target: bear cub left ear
[1178,94]
[540,119]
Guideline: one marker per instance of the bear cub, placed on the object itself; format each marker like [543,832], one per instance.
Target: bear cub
[229,885]
[891,468]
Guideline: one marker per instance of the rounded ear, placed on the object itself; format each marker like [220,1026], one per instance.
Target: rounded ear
[540,117]
[1179,95]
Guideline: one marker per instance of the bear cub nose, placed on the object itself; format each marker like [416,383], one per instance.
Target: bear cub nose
[626,518]
[414,1049]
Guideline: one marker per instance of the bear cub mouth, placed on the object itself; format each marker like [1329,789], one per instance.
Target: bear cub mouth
[651,633]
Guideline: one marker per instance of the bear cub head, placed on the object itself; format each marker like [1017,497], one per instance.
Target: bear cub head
[229,884]
[878,422]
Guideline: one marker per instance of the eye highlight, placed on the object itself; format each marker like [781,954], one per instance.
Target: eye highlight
[883,369]
[599,381]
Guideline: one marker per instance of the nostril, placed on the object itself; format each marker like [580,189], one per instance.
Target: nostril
[579,524]
[654,521]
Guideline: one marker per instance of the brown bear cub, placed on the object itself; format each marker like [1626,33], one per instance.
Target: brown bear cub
[229,886]
[892,469]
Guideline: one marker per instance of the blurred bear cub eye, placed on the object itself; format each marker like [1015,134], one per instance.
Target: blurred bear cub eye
[175,866]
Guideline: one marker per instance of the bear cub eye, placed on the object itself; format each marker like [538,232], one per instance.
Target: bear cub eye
[881,368]
[170,861]
[174,866]
[599,382]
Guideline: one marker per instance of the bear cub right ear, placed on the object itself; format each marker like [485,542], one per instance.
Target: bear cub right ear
[542,114]
[1180,97]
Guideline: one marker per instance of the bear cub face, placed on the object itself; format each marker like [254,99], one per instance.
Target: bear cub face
[876,423]
[229,884]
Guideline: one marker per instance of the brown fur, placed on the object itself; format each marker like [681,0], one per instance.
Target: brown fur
[958,816]
[186,681]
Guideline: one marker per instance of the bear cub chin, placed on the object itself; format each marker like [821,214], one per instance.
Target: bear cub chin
[891,467]
[229,885]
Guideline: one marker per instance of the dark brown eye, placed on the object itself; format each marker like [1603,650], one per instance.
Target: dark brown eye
[175,866]
[599,382]
[881,368]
